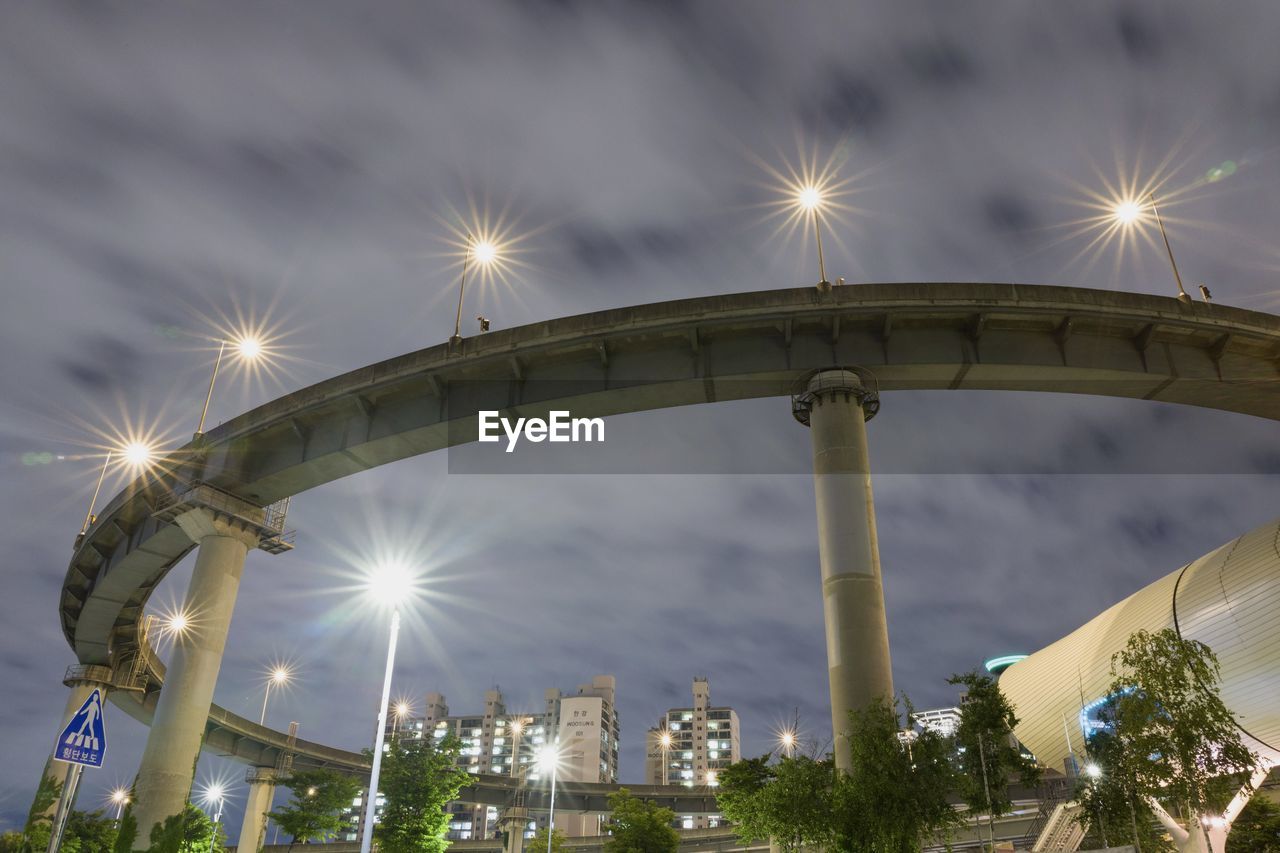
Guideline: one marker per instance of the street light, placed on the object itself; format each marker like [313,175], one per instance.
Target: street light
[1094,772]
[136,454]
[787,741]
[664,740]
[215,793]
[1128,211]
[517,729]
[119,799]
[279,676]
[485,252]
[549,759]
[401,709]
[810,198]
[389,585]
[249,348]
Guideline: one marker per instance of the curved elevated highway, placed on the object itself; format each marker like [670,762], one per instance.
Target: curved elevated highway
[912,336]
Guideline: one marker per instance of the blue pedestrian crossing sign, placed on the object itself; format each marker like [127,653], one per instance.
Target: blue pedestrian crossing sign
[84,740]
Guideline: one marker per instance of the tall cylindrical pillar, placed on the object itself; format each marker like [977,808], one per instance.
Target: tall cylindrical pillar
[262,788]
[173,746]
[836,404]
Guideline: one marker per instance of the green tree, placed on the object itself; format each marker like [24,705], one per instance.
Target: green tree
[1175,739]
[314,811]
[189,831]
[11,842]
[539,841]
[1257,828]
[988,753]
[789,801]
[418,778]
[1110,808]
[895,798]
[639,826]
[88,832]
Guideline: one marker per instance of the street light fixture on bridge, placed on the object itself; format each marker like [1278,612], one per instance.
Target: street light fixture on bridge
[279,676]
[1128,212]
[136,454]
[810,198]
[250,348]
[485,251]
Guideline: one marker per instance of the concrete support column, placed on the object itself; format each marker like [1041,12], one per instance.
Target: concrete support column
[836,405]
[177,729]
[82,681]
[253,830]
[513,822]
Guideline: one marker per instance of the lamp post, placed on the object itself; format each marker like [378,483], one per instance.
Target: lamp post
[550,756]
[279,675]
[664,740]
[810,198]
[136,454]
[249,348]
[1127,212]
[1094,772]
[388,585]
[517,728]
[119,799]
[402,710]
[215,794]
[485,252]
[787,741]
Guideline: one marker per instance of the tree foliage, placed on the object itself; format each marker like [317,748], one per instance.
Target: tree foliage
[789,801]
[314,810]
[988,753]
[88,832]
[419,777]
[1109,805]
[1174,738]
[539,841]
[639,826]
[895,797]
[894,800]
[1256,829]
[189,831]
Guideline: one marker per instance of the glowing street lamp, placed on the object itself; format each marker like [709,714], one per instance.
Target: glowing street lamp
[389,585]
[1094,772]
[215,794]
[517,729]
[1128,211]
[549,759]
[712,780]
[278,677]
[249,348]
[485,252]
[119,798]
[787,741]
[135,454]
[665,741]
[810,198]
[401,710]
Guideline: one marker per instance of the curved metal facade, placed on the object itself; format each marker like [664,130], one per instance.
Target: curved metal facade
[1228,599]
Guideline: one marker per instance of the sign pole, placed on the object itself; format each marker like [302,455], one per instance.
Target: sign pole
[71,787]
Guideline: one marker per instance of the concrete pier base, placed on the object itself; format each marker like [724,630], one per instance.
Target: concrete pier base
[173,745]
[262,788]
[836,405]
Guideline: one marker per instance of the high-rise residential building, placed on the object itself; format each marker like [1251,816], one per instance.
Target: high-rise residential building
[497,741]
[690,746]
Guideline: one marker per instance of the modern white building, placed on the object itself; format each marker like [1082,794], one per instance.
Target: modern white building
[689,746]
[1228,599]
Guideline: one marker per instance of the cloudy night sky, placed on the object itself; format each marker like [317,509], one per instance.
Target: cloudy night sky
[167,171]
